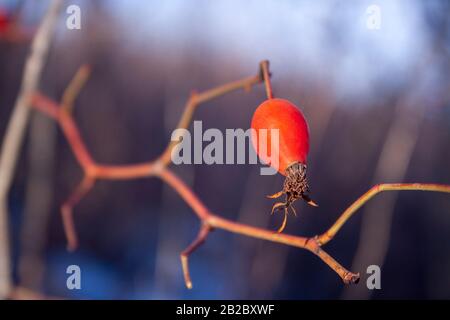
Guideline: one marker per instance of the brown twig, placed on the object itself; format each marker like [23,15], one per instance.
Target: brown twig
[16,129]
[214,221]
[265,74]
[24,293]
[67,211]
[209,220]
[73,89]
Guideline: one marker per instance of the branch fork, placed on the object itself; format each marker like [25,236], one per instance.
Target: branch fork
[159,168]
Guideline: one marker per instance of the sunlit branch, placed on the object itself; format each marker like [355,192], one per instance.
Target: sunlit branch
[159,168]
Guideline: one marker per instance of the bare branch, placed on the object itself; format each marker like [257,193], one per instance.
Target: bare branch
[209,220]
[39,196]
[75,86]
[198,98]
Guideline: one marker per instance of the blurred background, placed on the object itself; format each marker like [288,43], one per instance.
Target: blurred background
[377,102]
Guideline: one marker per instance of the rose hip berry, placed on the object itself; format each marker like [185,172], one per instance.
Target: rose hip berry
[292,150]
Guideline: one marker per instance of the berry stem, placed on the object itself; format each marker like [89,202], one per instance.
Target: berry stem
[264,65]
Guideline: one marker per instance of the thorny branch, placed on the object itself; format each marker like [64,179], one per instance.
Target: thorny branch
[159,168]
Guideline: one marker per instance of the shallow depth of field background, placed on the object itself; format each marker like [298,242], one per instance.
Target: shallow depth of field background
[377,102]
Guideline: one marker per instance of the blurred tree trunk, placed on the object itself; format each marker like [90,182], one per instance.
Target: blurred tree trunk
[38,201]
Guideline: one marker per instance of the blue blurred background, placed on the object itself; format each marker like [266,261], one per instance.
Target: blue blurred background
[377,102]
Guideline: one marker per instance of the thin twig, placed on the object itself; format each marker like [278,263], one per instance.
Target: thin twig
[264,65]
[197,98]
[16,129]
[73,89]
[212,220]
[334,229]
[67,211]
